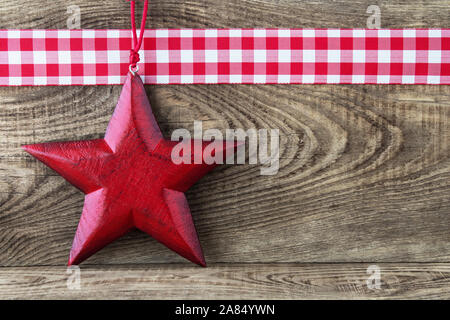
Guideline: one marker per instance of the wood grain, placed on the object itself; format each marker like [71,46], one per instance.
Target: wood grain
[364,174]
[248,281]
[364,170]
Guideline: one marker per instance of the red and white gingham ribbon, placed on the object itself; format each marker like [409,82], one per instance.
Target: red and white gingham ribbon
[251,56]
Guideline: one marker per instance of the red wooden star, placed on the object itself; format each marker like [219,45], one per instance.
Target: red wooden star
[129,180]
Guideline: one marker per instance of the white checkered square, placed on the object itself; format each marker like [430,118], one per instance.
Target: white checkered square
[162,56]
[409,56]
[384,56]
[309,55]
[211,56]
[434,56]
[359,56]
[235,55]
[284,55]
[260,55]
[334,56]
[14,57]
[187,56]
[39,57]
[88,57]
[64,57]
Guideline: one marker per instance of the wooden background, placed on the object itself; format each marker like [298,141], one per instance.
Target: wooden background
[364,172]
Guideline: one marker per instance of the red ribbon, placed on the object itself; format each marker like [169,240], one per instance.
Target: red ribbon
[134,52]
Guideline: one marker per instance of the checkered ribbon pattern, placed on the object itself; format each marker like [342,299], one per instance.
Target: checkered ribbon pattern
[222,56]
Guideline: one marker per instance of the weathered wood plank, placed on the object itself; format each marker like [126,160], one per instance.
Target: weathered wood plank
[364,175]
[279,281]
[103,14]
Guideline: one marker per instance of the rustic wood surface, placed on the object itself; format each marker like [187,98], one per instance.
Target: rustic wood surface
[247,281]
[364,171]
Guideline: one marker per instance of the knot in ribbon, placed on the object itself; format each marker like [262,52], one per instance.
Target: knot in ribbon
[134,51]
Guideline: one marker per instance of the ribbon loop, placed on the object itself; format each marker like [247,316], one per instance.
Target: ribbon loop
[136,45]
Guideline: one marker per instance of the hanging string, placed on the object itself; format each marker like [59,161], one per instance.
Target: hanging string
[137,42]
